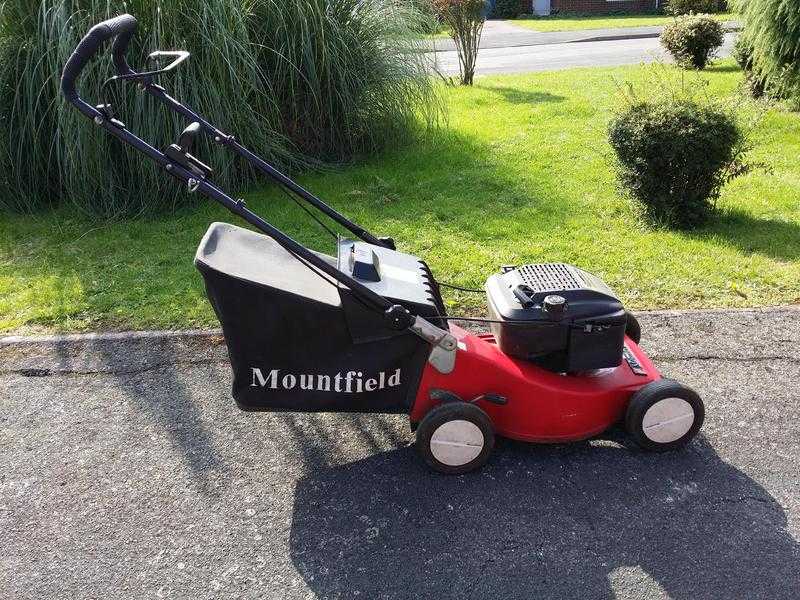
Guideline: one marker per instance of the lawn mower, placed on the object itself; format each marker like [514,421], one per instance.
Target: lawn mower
[366,329]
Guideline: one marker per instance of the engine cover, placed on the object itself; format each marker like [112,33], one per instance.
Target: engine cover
[558,316]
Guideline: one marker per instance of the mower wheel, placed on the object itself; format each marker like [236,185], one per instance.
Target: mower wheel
[632,328]
[455,438]
[664,415]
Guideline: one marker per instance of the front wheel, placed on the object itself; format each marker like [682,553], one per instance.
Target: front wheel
[455,438]
[664,415]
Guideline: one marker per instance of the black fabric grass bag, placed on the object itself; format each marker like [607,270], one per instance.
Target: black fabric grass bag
[298,342]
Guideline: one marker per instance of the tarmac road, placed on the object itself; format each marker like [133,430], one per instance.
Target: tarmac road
[127,472]
[549,57]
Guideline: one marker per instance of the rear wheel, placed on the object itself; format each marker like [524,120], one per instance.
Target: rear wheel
[455,438]
[632,328]
[664,415]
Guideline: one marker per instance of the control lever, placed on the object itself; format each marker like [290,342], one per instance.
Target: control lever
[145,77]
[178,55]
[522,293]
[179,153]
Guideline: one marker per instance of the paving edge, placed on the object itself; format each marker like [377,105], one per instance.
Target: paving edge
[120,336]
[633,36]
[111,336]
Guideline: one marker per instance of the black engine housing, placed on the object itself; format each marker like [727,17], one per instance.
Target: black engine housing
[558,316]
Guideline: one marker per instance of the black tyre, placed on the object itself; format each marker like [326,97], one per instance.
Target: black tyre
[664,415]
[455,438]
[632,328]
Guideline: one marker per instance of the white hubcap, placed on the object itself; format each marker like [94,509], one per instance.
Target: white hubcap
[668,420]
[456,443]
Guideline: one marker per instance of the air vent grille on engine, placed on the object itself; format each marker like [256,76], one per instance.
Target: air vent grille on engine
[549,277]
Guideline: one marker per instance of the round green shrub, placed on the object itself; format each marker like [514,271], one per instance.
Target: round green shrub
[684,7]
[506,9]
[674,157]
[692,40]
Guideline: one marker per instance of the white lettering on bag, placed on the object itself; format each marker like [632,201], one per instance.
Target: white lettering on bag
[351,382]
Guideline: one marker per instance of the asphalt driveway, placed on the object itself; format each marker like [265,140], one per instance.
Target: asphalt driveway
[126,472]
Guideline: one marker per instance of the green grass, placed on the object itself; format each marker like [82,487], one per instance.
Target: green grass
[521,173]
[439,35]
[577,22]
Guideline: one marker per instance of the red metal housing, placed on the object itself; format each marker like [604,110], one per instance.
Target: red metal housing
[542,406]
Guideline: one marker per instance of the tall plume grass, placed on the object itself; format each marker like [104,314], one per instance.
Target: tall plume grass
[298,82]
[771,31]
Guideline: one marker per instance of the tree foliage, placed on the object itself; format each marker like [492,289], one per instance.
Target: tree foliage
[464,19]
[685,7]
[771,34]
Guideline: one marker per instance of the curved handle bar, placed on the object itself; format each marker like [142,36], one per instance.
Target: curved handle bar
[122,28]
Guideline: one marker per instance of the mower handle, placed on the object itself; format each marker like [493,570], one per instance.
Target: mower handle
[122,29]
[191,171]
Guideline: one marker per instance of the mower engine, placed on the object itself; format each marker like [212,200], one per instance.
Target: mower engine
[558,316]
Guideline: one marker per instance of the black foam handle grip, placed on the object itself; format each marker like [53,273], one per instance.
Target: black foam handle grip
[121,27]
[120,49]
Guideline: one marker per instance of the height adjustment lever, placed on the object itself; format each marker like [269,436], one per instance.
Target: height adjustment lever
[179,153]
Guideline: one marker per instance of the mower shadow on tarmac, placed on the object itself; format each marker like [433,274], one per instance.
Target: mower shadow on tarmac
[172,411]
[588,520]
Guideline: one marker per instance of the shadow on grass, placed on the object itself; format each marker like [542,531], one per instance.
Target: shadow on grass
[521,96]
[472,189]
[776,239]
[569,522]
[442,196]
[726,68]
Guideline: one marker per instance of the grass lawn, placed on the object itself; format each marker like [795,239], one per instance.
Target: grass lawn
[576,22]
[444,34]
[520,173]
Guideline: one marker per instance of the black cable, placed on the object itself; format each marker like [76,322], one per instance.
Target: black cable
[458,287]
[334,282]
[303,261]
[325,277]
[309,213]
[335,236]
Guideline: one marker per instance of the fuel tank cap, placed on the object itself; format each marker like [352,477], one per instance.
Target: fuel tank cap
[554,305]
